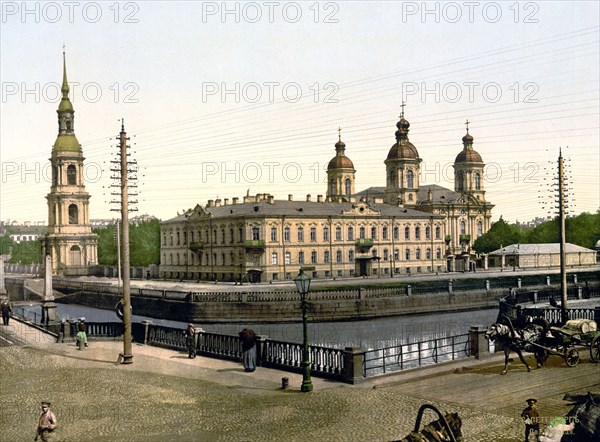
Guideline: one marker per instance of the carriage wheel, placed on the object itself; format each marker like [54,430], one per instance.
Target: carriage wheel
[572,357]
[595,349]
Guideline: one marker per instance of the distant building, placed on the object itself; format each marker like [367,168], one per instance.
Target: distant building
[540,255]
[402,228]
[70,242]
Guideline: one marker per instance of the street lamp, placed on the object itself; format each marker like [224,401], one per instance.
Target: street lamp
[303,285]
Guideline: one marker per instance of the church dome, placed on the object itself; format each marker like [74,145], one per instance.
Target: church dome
[340,160]
[468,154]
[403,148]
[66,143]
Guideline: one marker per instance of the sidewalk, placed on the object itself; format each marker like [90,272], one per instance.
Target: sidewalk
[164,395]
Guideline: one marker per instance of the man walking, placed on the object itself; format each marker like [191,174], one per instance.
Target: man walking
[531,416]
[46,424]
[6,309]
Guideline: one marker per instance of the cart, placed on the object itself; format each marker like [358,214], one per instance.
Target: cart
[563,339]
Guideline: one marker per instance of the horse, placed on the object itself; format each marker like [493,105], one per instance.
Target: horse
[586,415]
[445,429]
[519,340]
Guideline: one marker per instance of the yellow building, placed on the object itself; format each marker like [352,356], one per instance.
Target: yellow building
[400,229]
[72,246]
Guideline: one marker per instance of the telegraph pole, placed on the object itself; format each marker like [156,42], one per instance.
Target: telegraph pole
[563,258]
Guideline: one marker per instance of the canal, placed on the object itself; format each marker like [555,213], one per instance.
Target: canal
[367,334]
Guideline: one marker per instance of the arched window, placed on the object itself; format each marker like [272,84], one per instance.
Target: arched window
[410,179]
[73,214]
[438,232]
[71,174]
[463,228]
[332,187]
[75,256]
[427,232]
[479,229]
[348,187]
[459,182]
[477,181]
[407,232]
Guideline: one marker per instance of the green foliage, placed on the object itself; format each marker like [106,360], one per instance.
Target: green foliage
[6,245]
[144,244]
[583,230]
[26,252]
[500,234]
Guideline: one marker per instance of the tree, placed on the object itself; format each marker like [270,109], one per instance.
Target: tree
[26,252]
[144,244]
[500,234]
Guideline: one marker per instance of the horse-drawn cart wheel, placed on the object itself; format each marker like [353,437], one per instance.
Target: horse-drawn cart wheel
[572,357]
[595,349]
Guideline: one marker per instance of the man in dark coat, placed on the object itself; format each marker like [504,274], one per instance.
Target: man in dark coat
[6,309]
[248,339]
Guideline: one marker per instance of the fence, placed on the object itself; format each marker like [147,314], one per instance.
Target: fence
[417,354]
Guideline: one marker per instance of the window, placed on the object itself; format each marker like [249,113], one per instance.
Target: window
[73,214]
[438,232]
[386,254]
[396,255]
[255,233]
[361,233]
[274,258]
[438,253]
[275,276]
[428,253]
[348,187]
[463,228]
[325,233]
[410,179]
[417,232]
[286,234]
[338,233]
[313,234]
[384,233]
[407,254]
[75,255]
[223,259]
[477,181]
[313,257]
[288,258]
[164,238]
[350,234]
[479,229]
[71,174]
[241,232]
[427,232]
[418,254]
[332,187]
[231,239]
[407,232]
[178,239]
[170,237]
[300,257]
[396,234]
[326,257]
[222,236]
[351,256]
[273,233]
[374,232]
[338,256]
[300,233]
[184,238]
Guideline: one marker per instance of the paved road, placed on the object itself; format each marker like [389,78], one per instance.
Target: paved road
[164,395]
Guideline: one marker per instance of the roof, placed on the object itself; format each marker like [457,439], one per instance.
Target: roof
[66,143]
[309,209]
[544,249]
[468,156]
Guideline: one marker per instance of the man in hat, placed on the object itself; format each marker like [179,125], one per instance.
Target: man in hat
[531,416]
[47,423]
[190,340]
[6,309]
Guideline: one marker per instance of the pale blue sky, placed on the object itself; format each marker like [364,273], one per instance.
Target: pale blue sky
[363,55]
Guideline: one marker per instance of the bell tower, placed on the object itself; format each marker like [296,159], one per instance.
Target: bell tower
[469,169]
[340,174]
[70,243]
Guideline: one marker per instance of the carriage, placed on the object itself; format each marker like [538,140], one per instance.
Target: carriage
[577,332]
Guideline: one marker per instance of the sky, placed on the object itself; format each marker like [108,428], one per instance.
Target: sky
[225,99]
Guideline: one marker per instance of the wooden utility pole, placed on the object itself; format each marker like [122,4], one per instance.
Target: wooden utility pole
[561,216]
[127,356]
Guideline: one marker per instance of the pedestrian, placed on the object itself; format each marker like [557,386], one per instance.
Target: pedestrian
[555,430]
[248,339]
[46,424]
[190,340]
[530,416]
[6,309]
[81,333]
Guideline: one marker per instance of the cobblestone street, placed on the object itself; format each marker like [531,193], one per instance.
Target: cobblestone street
[164,395]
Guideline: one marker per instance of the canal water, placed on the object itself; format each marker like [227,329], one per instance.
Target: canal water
[367,334]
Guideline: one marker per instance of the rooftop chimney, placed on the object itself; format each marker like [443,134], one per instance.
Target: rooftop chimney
[319,198]
[235,200]
[290,197]
[308,197]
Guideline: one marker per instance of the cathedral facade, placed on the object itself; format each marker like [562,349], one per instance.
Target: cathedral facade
[400,229]
[70,243]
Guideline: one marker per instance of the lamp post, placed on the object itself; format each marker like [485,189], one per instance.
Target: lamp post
[303,285]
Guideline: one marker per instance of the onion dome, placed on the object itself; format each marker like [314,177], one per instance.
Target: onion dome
[468,154]
[340,160]
[403,147]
